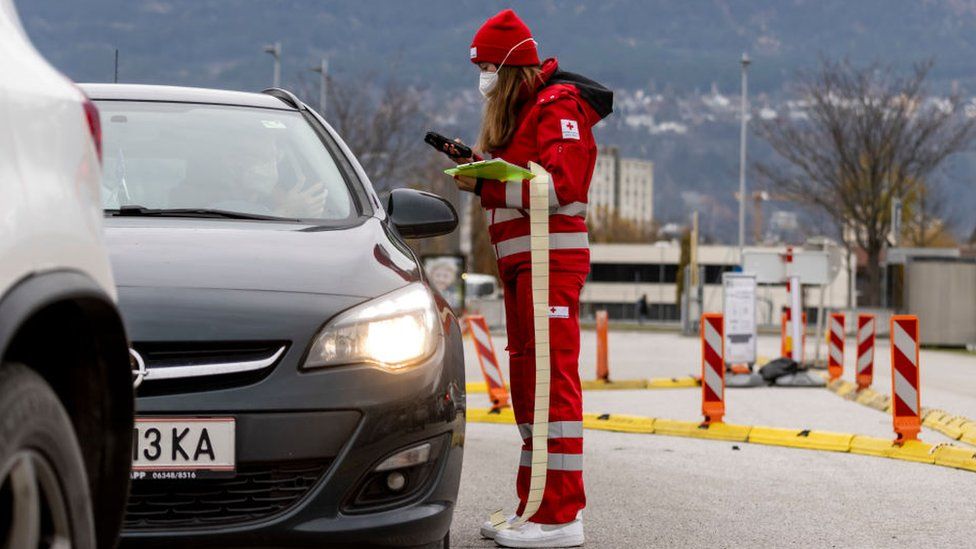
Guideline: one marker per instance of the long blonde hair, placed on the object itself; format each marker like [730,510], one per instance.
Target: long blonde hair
[498,120]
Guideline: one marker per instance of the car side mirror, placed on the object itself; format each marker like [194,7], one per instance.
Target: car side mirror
[419,214]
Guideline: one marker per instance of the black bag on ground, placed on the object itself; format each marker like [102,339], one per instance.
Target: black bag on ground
[778,368]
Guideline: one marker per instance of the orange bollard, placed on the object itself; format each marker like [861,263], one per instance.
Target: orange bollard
[713,367]
[835,346]
[865,350]
[786,340]
[481,335]
[602,348]
[905,400]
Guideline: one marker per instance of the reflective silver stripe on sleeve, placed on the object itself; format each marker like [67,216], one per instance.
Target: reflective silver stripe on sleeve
[553,199]
[577,209]
[557,241]
[557,429]
[502,215]
[557,462]
[513,194]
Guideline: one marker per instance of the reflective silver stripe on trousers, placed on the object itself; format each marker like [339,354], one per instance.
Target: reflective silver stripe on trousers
[557,241]
[557,462]
[557,429]
[513,194]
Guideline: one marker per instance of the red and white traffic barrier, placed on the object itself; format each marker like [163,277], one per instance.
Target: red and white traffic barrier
[835,346]
[713,367]
[905,401]
[494,378]
[865,350]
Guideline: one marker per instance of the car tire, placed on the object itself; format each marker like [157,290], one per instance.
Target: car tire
[44,497]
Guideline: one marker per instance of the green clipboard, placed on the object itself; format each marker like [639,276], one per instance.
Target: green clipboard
[495,168]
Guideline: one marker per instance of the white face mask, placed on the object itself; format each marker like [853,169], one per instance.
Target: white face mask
[487,80]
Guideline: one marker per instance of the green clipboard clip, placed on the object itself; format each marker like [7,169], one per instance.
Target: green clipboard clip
[495,168]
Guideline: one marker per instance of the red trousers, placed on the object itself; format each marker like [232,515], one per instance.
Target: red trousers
[564,495]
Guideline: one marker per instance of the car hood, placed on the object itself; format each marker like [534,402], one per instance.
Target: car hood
[359,261]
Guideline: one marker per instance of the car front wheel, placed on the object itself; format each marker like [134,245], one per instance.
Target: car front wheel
[44,498]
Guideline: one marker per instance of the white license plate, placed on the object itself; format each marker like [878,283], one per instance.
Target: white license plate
[182,447]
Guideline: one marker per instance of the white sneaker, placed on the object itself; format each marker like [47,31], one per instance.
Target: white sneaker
[533,534]
[488,529]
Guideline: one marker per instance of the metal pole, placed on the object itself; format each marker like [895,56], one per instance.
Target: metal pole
[796,315]
[742,157]
[275,51]
[116,80]
[323,70]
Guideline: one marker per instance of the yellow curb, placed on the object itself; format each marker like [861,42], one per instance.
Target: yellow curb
[960,428]
[865,397]
[601,385]
[846,390]
[870,446]
[944,455]
[723,431]
[675,427]
[913,450]
[673,382]
[619,423]
[954,456]
[969,437]
[485,415]
[956,426]
[796,438]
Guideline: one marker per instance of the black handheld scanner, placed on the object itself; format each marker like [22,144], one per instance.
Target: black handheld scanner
[447,146]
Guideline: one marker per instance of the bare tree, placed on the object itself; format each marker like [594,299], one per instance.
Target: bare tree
[867,136]
[382,122]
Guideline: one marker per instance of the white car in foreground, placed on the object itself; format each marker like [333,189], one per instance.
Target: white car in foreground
[66,399]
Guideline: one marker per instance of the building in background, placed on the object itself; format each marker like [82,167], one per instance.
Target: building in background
[623,186]
[621,273]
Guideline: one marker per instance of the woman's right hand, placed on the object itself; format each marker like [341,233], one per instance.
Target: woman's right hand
[452,152]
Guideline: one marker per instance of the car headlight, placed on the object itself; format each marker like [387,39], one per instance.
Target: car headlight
[392,331]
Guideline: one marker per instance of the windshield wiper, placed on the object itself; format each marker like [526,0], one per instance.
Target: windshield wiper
[142,211]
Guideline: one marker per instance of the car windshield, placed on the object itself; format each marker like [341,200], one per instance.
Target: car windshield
[180,156]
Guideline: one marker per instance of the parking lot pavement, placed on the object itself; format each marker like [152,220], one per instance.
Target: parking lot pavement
[657,491]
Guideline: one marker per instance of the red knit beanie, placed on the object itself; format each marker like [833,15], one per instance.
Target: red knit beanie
[496,38]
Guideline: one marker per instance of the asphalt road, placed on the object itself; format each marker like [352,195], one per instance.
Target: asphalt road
[653,490]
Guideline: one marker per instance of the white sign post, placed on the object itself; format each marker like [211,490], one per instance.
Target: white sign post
[739,305]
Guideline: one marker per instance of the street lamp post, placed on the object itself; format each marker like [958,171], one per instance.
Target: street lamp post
[323,70]
[742,157]
[275,51]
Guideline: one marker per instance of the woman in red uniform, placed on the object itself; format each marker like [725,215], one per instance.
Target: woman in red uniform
[535,112]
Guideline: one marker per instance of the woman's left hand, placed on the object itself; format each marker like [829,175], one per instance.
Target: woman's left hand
[465,182]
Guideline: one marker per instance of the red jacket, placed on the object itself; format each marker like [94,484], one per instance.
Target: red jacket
[554,129]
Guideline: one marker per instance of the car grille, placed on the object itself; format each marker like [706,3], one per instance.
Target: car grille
[256,492]
[204,365]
